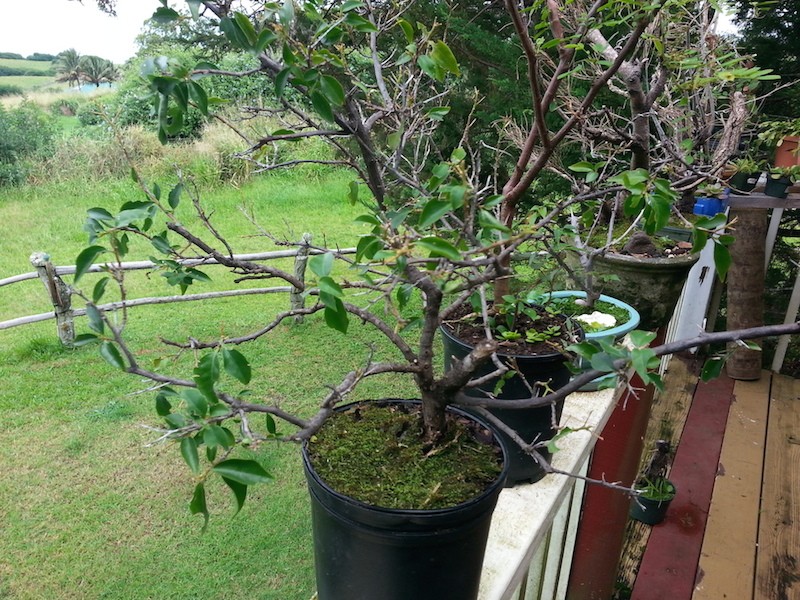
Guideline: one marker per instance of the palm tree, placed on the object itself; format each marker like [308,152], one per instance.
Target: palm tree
[96,70]
[68,67]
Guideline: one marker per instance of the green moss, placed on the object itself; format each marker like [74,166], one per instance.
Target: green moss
[568,307]
[375,453]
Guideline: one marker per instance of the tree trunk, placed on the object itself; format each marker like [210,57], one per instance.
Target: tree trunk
[746,288]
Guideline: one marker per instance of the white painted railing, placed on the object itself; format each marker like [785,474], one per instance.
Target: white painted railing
[529,552]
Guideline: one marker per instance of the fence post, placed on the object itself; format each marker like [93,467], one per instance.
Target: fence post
[297,297]
[60,296]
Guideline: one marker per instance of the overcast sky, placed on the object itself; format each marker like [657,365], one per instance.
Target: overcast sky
[51,26]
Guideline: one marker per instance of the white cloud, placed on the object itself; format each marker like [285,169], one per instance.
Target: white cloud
[50,26]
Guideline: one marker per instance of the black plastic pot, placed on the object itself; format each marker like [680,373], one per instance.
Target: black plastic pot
[532,424]
[779,188]
[649,511]
[365,552]
[744,182]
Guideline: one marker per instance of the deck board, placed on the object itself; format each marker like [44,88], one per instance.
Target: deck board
[778,564]
[728,555]
[669,565]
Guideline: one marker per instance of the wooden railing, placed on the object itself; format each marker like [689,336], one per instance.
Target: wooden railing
[60,293]
[529,553]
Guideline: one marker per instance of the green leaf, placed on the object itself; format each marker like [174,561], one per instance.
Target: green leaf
[433,211]
[111,355]
[236,365]
[641,339]
[430,67]
[85,260]
[408,30]
[332,89]
[247,29]
[437,113]
[439,248]
[189,453]
[280,81]
[161,243]
[196,402]
[322,106]
[488,221]
[367,247]
[272,427]
[206,375]
[722,260]
[164,14]
[198,504]
[445,58]
[321,264]
[163,406]
[330,288]
[335,313]
[239,491]
[84,339]
[287,13]
[712,368]
[602,362]
[95,319]
[99,289]
[214,435]
[247,472]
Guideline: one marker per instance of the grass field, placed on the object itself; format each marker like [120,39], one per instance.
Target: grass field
[31,82]
[31,65]
[86,509]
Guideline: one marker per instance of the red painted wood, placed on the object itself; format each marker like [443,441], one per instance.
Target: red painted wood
[601,531]
[669,565]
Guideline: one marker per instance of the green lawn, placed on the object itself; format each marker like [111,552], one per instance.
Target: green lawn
[87,510]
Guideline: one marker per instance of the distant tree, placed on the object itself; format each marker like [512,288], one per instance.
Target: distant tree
[13,55]
[40,56]
[68,67]
[771,32]
[96,70]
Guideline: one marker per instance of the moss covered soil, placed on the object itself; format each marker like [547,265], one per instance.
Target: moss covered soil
[375,453]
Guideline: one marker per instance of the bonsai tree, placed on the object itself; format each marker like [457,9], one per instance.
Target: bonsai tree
[375,87]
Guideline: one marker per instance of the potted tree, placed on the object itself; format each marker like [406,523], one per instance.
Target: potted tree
[533,345]
[375,86]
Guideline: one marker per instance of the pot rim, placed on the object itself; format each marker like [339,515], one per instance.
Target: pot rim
[414,512]
[618,330]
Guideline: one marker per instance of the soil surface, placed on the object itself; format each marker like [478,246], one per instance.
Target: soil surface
[468,327]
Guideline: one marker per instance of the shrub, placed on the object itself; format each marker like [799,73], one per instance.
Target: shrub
[65,107]
[26,132]
[10,90]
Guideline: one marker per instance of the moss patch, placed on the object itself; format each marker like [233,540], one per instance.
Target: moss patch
[567,306]
[375,453]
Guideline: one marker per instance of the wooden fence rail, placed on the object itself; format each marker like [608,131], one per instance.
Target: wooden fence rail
[60,293]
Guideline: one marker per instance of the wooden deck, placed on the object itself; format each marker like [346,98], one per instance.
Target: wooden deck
[733,531]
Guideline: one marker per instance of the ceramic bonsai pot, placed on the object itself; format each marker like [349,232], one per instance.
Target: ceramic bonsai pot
[617,332]
[652,285]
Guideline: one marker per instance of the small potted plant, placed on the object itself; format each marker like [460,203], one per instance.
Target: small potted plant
[780,180]
[746,172]
[783,136]
[607,318]
[533,345]
[652,500]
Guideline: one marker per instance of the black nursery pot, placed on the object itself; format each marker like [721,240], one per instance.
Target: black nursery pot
[365,552]
[744,182]
[531,423]
[779,188]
